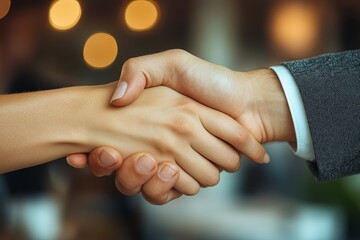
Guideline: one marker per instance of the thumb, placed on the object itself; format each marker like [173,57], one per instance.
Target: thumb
[130,86]
[144,72]
[77,160]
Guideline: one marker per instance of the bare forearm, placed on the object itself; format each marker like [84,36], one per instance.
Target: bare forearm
[40,126]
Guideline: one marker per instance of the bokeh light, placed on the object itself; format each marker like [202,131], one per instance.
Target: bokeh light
[100,50]
[141,15]
[4,8]
[64,14]
[295,28]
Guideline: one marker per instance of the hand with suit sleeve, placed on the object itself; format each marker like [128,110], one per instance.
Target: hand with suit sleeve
[329,85]
[322,94]
[251,98]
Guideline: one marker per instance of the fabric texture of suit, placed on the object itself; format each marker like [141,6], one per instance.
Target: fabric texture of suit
[330,89]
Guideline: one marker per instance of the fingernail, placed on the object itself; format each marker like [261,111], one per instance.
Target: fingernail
[68,162]
[75,165]
[107,159]
[145,164]
[266,158]
[167,172]
[119,91]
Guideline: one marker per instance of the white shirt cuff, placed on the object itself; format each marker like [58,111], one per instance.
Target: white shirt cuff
[303,147]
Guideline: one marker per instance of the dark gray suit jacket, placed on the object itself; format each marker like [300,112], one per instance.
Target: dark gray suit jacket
[330,89]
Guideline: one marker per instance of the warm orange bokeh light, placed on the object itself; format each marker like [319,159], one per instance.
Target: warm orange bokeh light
[100,50]
[295,28]
[141,15]
[64,14]
[4,8]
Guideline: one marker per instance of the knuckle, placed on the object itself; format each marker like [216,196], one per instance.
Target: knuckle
[178,60]
[130,63]
[152,200]
[241,137]
[154,197]
[212,180]
[167,148]
[178,53]
[151,192]
[182,124]
[185,103]
[234,163]
[124,187]
[192,190]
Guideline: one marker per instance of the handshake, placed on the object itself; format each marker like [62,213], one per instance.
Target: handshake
[172,140]
[193,120]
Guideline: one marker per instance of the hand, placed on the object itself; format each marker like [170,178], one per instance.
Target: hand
[192,134]
[214,86]
[255,99]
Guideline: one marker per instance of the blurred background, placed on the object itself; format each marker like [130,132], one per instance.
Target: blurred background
[52,44]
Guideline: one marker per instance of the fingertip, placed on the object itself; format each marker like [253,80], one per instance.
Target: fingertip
[171,195]
[109,158]
[262,157]
[135,171]
[119,92]
[145,164]
[104,160]
[168,172]
[160,189]
[78,160]
[235,168]
[129,88]
[130,96]
[117,102]
[254,150]
[266,158]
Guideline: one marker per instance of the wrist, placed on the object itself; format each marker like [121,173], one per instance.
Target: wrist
[96,117]
[76,120]
[271,106]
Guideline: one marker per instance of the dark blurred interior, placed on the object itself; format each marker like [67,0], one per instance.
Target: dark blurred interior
[278,201]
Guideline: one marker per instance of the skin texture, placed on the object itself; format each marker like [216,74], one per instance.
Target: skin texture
[162,122]
[254,99]
[172,127]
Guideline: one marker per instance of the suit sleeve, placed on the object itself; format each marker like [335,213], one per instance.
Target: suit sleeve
[330,89]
